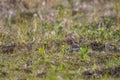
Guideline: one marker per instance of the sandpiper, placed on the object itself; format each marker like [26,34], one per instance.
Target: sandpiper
[72,42]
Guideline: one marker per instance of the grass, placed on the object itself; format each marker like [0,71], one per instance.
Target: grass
[32,48]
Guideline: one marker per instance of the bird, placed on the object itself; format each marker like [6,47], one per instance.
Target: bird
[70,39]
[75,47]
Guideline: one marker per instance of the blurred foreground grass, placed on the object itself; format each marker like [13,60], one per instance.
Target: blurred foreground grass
[37,38]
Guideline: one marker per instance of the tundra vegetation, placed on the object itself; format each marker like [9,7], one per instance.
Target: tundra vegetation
[59,39]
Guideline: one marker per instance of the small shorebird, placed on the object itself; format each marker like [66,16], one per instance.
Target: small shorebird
[75,47]
[70,39]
